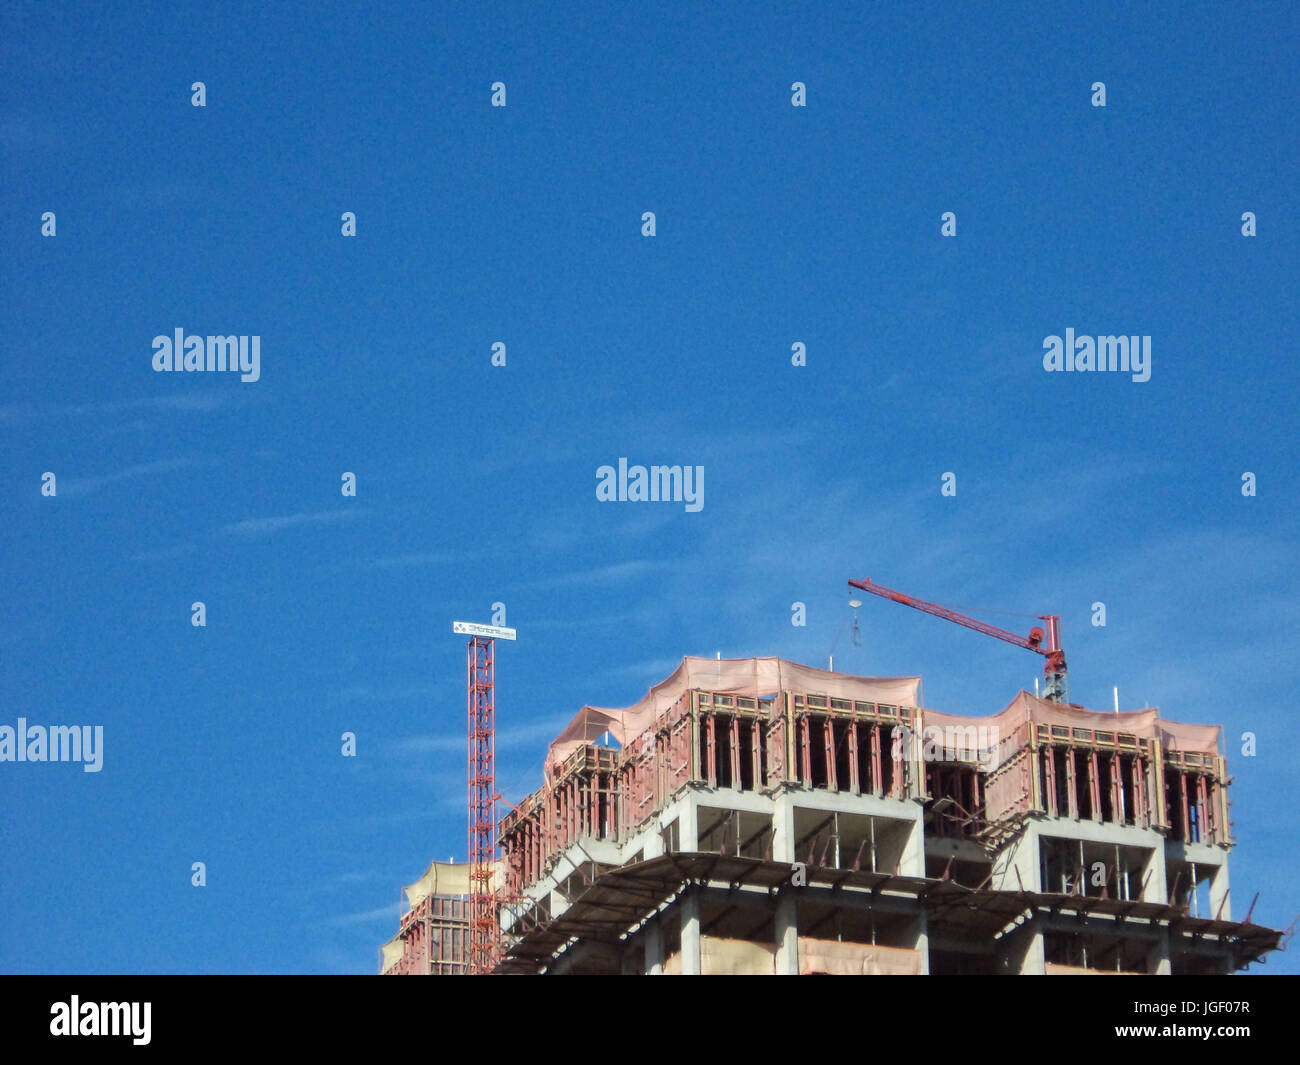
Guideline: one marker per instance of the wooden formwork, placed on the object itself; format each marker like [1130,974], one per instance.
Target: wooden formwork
[749,743]
[1196,797]
[1094,774]
[714,739]
[850,745]
[434,937]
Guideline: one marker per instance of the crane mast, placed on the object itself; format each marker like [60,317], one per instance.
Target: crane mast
[1054,671]
[483,939]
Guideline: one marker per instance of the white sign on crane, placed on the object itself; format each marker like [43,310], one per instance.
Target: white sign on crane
[470,628]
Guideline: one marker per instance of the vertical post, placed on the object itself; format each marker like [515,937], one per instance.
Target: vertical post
[876,770]
[1116,792]
[899,754]
[1094,785]
[1072,792]
[712,753]
[787,934]
[736,777]
[805,751]
[654,947]
[1141,816]
[1186,835]
[483,918]
[828,741]
[855,784]
[1202,808]
[690,935]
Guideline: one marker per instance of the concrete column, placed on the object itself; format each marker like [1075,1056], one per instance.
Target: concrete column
[1156,877]
[690,911]
[1219,895]
[688,825]
[1021,952]
[1158,956]
[654,948]
[787,935]
[922,944]
[912,862]
[783,828]
[1023,859]
[1033,959]
[654,844]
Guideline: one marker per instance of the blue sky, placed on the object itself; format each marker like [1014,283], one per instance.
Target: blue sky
[476,484]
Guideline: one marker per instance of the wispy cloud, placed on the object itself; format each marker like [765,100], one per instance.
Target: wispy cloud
[364,693]
[356,877]
[270,526]
[203,401]
[197,402]
[420,558]
[519,736]
[391,912]
[651,612]
[554,452]
[658,668]
[167,552]
[612,574]
[429,744]
[86,485]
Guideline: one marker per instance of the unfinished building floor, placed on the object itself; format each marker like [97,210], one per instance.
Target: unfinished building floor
[760,816]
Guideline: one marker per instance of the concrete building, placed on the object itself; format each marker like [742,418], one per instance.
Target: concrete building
[759,816]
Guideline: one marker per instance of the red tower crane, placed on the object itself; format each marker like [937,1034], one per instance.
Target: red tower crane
[1054,672]
[482,948]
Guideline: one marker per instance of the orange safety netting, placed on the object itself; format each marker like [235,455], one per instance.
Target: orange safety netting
[1174,735]
[759,677]
[733,676]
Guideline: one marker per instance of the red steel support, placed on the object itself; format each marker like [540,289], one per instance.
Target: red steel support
[877,768]
[805,749]
[1202,809]
[735,751]
[712,753]
[1186,825]
[1116,791]
[828,741]
[854,783]
[1049,755]
[1071,783]
[899,753]
[1139,793]
[1094,785]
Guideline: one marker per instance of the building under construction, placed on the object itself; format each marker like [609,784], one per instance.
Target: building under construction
[758,816]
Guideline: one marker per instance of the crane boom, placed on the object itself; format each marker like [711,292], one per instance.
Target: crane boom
[1054,669]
